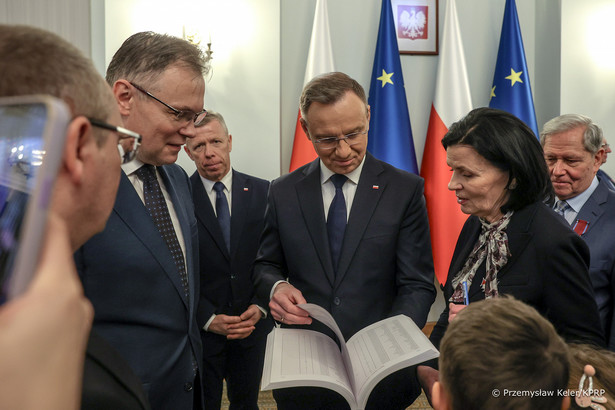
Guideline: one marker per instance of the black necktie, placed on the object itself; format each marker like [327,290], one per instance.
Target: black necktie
[223,214]
[157,207]
[336,219]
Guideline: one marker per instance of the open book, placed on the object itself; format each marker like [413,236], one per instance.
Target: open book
[300,357]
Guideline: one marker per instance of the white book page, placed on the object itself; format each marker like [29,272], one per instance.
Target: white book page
[302,357]
[385,347]
[322,315]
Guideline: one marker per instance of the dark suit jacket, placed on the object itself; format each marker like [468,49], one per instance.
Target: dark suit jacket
[226,283]
[547,269]
[607,179]
[599,212]
[108,381]
[385,265]
[140,308]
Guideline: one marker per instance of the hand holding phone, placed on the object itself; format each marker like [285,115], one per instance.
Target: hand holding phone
[32,136]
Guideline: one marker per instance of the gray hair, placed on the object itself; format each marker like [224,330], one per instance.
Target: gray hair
[144,56]
[592,136]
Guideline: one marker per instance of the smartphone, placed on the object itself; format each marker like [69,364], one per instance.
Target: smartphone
[32,137]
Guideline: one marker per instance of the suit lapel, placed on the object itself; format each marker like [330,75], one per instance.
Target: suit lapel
[184,221]
[518,238]
[132,211]
[593,209]
[369,190]
[241,200]
[462,252]
[205,213]
[518,235]
[309,193]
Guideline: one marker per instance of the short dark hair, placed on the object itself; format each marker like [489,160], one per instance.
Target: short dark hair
[502,343]
[510,145]
[329,88]
[146,55]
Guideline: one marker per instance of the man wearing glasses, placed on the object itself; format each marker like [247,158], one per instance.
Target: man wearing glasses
[347,232]
[141,272]
[44,331]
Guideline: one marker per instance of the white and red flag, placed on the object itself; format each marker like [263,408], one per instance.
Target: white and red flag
[452,101]
[320,61]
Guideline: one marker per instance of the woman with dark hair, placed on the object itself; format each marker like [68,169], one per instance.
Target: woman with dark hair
[512,243]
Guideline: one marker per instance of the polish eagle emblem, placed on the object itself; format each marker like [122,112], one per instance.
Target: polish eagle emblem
[413,23]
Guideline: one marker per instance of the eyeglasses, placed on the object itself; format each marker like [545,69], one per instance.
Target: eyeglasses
[331,142]
[184,116]
[122,134]
[605,146]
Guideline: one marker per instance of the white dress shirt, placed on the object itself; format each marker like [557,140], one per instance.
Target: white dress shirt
[349,189]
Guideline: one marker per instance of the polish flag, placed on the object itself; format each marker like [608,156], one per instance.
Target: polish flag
[452,101]
[320,61]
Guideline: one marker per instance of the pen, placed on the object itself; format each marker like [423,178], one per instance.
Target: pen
[465,292]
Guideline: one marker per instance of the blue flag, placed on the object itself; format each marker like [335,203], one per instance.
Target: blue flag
[390,135]
[511,89]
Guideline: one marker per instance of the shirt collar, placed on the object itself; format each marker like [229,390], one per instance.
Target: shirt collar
[326,173]
[578,201]
[132,166]
[227,180]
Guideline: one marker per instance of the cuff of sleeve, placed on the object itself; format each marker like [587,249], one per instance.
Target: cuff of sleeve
[211,319]
[263,311]
[274,286]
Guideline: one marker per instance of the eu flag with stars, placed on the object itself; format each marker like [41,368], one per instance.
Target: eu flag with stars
[390,135]
[511,89]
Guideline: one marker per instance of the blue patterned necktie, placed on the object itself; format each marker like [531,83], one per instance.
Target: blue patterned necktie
[157,207]
[336,219]
[561,207]
[223,214]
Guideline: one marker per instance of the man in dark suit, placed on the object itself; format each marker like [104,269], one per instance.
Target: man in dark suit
[574,150]
[601,174]
[141,272]
[347,232]
[230,209]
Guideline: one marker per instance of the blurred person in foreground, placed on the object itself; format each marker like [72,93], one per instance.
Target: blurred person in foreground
[141,272]
[574,149]
[592,375]
[512,243]
[521,352]
[53,318]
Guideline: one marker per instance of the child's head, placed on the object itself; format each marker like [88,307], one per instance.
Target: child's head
[501,353]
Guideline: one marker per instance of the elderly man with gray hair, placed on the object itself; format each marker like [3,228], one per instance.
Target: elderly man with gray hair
[574,150]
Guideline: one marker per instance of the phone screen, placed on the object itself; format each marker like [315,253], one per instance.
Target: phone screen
[22,128]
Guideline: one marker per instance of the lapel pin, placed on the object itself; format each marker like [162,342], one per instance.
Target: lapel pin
[375,186]
[245,189]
